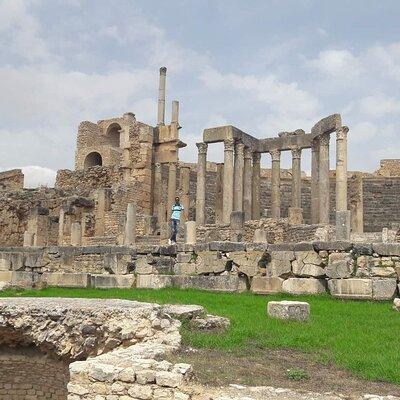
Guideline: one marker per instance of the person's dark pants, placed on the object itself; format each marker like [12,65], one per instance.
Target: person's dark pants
[174,229]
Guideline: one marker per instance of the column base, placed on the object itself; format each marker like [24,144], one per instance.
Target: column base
[343,225]
[296,216]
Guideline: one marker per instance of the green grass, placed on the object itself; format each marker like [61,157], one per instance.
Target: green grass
[363,337]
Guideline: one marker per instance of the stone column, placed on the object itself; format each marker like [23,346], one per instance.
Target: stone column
[255,192]
[341,169]
[184,188]
[190,232]
[76,234]
[171,187]
[227,206]
[356,203]
[28,239]
[219,182]
[161,96]
[247,172]
[315,182]
[276,184]
[295,211]
[342,213]
[238,177]
[130,225]
[61,221]
[158,192]
[201,184]
[324,188]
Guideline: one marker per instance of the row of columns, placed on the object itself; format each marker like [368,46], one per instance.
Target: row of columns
[241,180]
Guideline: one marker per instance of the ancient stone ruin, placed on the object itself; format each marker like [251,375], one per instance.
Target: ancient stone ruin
[106,223]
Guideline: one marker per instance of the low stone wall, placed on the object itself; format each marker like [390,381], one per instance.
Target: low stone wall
[11,180]
[343,269]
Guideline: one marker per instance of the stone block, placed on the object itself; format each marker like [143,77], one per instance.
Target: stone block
[333,246]
[209,323]
[383,272]
[304,286]
[386,249]
[73,280]
[247,263]
[183,312]
[185,247]
[361,249]
[154,281]
[303,246]
[142,267]
[184,268]
[308,264]
[227,246]
[289,310]
[384,289]
[5,276]
[286,255]
[353,288]
[260,236]
[396,305]
[184,257]
[210,262]
[281,247]
[257,246]
[265,285]
[221,283]
[5,265]
[112,281]
[277,267]
[117,263]
[168,250]
[295,216]
[340,265]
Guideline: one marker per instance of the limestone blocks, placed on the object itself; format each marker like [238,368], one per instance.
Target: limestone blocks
[300,286]
[396,305]
[289,310]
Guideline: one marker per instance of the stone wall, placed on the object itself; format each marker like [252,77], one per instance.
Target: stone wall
[25,373]
[389,167]
[345,269]
[11,180]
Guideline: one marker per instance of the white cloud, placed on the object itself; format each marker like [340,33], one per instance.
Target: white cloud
[362,132]
[338,63]
[379,106]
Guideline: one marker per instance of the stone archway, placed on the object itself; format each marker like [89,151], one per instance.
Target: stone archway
[93,159]
[113,134]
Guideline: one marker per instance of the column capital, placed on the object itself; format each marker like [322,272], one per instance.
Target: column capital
[229,145]
[256,157]
[324,139]
[275,155]
[296,152]
[239,147]
[247,152]
[202,147]
[341,133]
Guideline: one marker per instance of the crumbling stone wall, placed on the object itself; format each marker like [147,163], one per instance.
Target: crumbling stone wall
[389,167]
[25,373]
[11,180]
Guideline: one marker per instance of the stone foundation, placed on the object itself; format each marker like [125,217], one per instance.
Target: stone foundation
[344,269]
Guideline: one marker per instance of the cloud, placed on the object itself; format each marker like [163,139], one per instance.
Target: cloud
[35,176]
[338,63]
[379,106]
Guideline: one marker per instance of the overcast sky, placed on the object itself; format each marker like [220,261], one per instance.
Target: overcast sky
[264,66]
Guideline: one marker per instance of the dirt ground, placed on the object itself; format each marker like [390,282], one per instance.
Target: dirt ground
[270,368]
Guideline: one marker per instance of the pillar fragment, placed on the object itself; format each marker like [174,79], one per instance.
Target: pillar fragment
[201,183]
[228,181]
[219,181]
[171,187]
[255,194]
[184,187]
[276,184]
[76,234]
[130,225]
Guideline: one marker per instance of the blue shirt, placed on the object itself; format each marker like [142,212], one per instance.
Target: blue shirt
[177,211]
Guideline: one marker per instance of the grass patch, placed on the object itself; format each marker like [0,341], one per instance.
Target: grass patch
[362,337]
[297,374]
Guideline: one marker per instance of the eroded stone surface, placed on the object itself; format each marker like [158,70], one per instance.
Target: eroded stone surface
[289,310]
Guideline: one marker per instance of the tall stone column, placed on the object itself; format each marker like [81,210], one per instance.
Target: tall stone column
[315,182]
[130,225]
[184,188]
[171,187]
[76,234]
[238,177]
[201,184]
[324,188]
[161,96]
[158,192]
[342,213]
[341,169]
[227,206]
[276,184]
[295,211]
[219,194]
[296,178]
[247,178]
[255,193]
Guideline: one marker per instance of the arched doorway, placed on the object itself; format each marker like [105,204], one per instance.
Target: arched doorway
[113,134]
[93,159]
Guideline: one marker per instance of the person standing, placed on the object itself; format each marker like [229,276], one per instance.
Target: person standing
[177,209]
